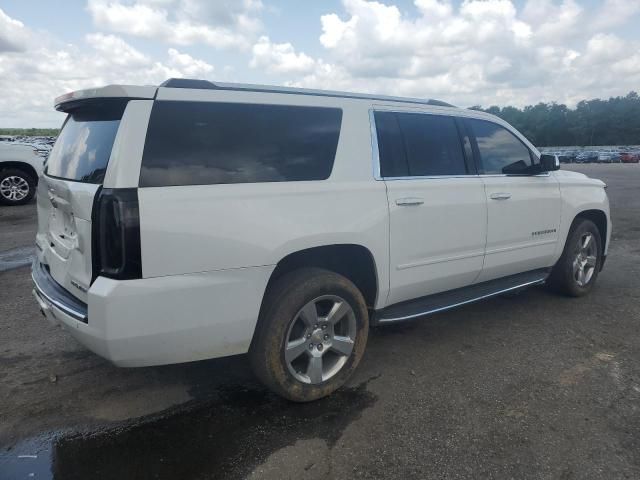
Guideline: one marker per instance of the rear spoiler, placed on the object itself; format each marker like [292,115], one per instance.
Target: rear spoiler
[71,100]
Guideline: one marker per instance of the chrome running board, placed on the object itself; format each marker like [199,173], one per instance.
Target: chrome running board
[461,296]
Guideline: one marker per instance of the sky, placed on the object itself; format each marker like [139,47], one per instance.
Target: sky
[471,52]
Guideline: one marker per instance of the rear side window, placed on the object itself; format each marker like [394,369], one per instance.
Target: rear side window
[200,143]
[82,150]
[415,144]
[501,152]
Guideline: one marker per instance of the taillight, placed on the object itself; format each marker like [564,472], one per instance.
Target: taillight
[116,234]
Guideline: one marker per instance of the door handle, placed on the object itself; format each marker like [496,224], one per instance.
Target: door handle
[404,202]
[500,196]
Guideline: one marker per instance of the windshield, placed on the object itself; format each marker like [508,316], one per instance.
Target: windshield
[81,152]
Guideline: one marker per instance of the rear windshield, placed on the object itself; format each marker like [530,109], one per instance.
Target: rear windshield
[199,143]
[81,152]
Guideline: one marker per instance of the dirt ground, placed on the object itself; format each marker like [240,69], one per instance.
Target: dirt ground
[528,386]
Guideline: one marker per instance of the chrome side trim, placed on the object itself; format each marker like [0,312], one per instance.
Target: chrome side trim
[453,305]
[428,177]
[439,177]
[65,308]
[421,263]
[519,247]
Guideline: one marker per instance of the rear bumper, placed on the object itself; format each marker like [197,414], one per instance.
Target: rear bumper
[162,320]
[50,294]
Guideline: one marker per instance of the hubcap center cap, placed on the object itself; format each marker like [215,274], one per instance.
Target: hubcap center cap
[317,336]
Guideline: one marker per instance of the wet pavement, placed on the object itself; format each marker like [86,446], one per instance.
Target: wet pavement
[527,386]
[16,258]
[226,438]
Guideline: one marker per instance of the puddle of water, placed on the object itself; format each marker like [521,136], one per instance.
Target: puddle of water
[29,459]
[225,438]
[16,257]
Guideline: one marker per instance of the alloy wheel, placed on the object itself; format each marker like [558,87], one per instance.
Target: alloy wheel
[585,260]
[320,339]
[14,188]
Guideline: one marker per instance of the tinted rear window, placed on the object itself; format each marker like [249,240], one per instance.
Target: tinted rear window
[416,144]
[199,143]
[81,152]
[432,144]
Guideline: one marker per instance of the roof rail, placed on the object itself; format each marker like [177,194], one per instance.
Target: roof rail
[188,83]
[207,85]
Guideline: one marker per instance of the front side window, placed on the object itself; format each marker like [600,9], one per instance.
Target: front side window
[501,152]
[417,144]
[202,143]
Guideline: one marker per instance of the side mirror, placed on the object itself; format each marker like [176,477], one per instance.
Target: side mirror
[549,163]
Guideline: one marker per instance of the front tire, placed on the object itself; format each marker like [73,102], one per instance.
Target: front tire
[578,267]
[16,187]
[311,334]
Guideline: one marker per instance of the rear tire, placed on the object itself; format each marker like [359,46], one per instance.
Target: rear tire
[311,334]
[17,187]
[578,267]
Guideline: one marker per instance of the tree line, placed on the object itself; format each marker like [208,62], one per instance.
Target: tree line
[30,132]
[615,121]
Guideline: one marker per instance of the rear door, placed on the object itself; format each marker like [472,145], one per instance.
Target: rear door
[74,173]
[437,204]
[523,209]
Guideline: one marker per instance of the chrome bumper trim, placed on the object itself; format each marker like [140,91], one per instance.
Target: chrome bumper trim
[49,290]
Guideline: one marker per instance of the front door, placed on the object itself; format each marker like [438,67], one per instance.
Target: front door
[523,211]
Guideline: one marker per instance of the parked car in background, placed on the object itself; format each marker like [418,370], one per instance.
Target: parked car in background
[20,168]
[608,156]
[629,157]
[586,157]
[201,220]
[571,155]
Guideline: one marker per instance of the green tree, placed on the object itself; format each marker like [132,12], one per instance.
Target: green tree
[615,121]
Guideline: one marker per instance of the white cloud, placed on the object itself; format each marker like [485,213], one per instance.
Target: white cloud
[187,65]
[486,52]
[13,34]
[225,24]
[613,13]
[466,52]
[30,80]
[115,51]
[279,58]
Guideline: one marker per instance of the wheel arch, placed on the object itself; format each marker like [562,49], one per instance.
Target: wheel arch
[354,261]
[599,218]
[27,168]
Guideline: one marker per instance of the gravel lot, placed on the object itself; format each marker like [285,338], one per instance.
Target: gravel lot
[526,386]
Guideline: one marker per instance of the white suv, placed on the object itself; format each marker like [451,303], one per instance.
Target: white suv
[197,220]
[20,167]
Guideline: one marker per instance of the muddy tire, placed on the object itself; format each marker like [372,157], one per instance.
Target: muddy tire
[311,334]
[576,271]
[17,187]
